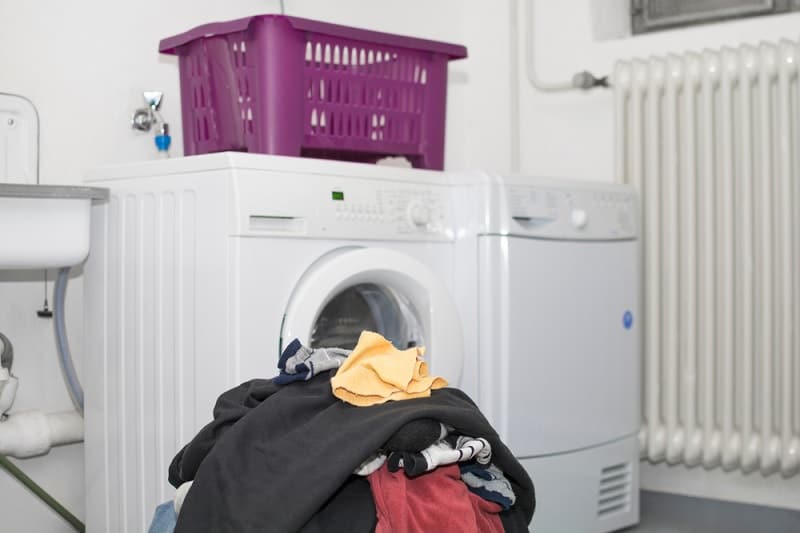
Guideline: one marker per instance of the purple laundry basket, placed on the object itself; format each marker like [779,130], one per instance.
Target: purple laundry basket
[284,85]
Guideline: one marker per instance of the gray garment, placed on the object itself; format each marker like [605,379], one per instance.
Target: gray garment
[316,360]
[305,363]
[498,482]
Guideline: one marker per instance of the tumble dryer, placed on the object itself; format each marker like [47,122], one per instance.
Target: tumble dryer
[202,268]
[556,308]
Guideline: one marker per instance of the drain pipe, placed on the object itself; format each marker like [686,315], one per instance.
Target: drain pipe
[32,433]
[73,385]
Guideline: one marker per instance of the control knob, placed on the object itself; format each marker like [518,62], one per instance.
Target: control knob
[419,214]
[579,218]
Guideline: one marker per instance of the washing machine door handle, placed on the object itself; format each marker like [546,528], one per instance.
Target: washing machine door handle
[338,270]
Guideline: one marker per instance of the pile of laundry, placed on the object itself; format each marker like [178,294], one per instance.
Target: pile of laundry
[347,441]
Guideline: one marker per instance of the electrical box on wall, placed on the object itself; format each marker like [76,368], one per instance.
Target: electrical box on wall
[19,134]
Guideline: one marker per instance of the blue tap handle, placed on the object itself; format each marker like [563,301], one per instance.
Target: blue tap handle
[163,142]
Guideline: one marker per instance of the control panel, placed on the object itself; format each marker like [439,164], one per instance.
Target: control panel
[562,213]
[347,208]
[403,210]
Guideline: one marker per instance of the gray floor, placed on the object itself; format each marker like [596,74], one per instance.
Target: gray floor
[668,513]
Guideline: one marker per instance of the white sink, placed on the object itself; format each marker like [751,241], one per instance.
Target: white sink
[44,226]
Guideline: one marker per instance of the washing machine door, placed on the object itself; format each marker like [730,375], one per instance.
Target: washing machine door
[355,289]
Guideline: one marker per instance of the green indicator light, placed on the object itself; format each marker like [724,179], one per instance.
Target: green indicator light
[337,195]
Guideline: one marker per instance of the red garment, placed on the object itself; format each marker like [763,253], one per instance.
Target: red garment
[437,501]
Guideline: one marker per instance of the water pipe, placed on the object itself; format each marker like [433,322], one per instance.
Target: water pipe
[7,355]
[73,385]
[8,390]
[8,383]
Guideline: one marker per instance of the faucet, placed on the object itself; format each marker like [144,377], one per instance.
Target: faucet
[145,118]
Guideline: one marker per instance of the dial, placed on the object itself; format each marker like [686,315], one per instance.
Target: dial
[419,214]
[579,218]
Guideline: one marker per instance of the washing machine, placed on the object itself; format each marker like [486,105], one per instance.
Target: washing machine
[557,368]
[203,268]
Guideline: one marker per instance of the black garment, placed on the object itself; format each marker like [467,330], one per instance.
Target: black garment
[414,436]
[274,455]
[350,510]
[414,463]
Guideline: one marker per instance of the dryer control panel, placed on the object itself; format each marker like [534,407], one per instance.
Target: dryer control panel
[608,212]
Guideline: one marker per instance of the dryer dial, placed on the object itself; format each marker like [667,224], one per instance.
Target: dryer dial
[579,218]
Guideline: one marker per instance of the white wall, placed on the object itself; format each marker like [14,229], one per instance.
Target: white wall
[84,64]
[571,134]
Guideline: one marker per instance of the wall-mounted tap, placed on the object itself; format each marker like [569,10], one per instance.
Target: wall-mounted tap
[145,118]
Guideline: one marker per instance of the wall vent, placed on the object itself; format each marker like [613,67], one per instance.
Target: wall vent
[653,15]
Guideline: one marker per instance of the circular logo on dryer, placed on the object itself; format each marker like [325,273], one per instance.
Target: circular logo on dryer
[627,320]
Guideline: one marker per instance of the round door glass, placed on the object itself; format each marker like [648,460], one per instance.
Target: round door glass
[367,306]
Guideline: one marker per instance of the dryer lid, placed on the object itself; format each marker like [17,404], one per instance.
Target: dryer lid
[352,289]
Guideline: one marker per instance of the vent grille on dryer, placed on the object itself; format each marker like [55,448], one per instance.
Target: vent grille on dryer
[614,493]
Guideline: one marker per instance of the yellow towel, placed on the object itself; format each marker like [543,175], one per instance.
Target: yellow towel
[376,372]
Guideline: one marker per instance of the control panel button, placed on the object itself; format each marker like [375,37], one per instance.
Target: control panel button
[579,218]
[624,219]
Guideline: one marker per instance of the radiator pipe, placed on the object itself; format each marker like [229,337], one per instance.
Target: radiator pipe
[711,438]
[790,462]
[680,449]
[793,451]
[656,436]
[767,70]
[672,345]
[731,439]
[622,81]
[750,441]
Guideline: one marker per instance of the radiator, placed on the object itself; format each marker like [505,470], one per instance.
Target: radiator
[712,142]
